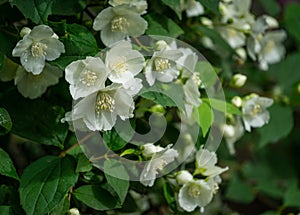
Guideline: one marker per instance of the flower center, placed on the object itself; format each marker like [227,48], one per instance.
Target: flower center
[162,64]
[119,24]
[121,65]
[194,191]
[256,109]
[196,79]
[104,102]
[38,49]
[88,78]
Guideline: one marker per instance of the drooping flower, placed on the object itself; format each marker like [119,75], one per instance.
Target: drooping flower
[86,76]
[40,44]
[100,109]
[162,66]
[191,7]
[206,163]
[232,133]
[123,62]
[139,5]
[115,23]
[255,113]
[195,193]
[157,163]
[33,86]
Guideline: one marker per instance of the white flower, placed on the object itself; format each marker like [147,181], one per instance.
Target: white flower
[86,76]
[33,86]
[148,150]
[206,163]
[73,211]
[192,96]
[133,86]
[158,161]
[238,80]
[115,23]
[139,5]
[264,23]
[123,62]
[234,37]
[192,7]
[195,193]
[232,133]
[255,113]
[99,110]
[39,45]
[183,177]
[162,66]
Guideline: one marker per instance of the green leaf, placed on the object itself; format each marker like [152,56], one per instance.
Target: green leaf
[175,5]
[95,197]
[206,73]
[6,165]
[83,164]
[167,95]
[206,117]
[62,207]
[45,183]
[36,10]
[170,196]
[222,106]
[6,210]
[212,5]
[279,126]
[222,47]
[285,71]
[239,191]
[5,122]
[292,195]
[79,42]
[113,140]
[44,128]
[162,25]
[69,7]
[291,19]
[272,7]
[117,177]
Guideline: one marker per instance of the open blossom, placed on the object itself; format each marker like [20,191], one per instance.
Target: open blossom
[123,62]
[33,86]
[255,113]
[100,109]
[86,76]
[115,23]
[40,44]
[159,160]
[139,5]
[196,193]
[162,66]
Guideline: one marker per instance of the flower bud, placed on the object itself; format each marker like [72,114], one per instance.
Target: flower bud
[183,177]
[148,150]
[25,31]
[238,80]
[241,52]
[161,44]
[73,211]
[237,101]
[228,130]
[206,21]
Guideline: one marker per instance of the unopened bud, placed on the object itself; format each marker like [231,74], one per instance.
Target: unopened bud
[73,211]
[238,80]
[206,21]
[161,44]
[25,31]
[237,101]
[228,130]
[183,177]
[148,150]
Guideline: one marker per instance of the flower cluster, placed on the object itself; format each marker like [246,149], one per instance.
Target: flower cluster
[34,75]
[247,34]
[197,189]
